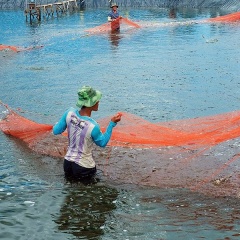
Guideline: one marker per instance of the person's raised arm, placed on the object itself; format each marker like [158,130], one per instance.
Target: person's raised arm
[102,139]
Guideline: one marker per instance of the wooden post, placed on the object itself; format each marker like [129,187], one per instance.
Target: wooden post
[34,10]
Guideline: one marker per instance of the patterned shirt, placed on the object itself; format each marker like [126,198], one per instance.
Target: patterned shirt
[83,132]
[113,15]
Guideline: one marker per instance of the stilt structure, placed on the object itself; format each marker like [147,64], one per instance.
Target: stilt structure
[32,10]
[35,10]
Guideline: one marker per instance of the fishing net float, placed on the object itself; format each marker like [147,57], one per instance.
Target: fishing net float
[200,154]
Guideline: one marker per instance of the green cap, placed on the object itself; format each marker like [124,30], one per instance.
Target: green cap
[88,97]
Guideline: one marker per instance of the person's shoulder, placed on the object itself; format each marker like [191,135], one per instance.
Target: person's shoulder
[72,109]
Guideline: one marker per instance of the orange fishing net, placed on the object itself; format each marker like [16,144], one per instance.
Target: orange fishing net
[206,131]
[6,47]
[106,27]
[134,131]
[130,23]
[226,18]
[113,25]
[28,131]
[199,154]
[17,49]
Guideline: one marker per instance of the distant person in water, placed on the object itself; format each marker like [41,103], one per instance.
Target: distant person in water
[17,49]
[114,17]
[83,133]
[172,13]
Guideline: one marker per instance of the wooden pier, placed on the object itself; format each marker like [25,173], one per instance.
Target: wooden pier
[36,11]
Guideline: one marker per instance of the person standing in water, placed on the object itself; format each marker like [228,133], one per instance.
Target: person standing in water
[83,133]
[114,17]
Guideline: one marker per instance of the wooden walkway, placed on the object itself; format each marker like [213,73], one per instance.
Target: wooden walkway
[36,11]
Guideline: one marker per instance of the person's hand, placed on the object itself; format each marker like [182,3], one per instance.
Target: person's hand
[116,118]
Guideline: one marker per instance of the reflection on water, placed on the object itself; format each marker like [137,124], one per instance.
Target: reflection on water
[174,67]
[115,37]
[172,214]
[85,210]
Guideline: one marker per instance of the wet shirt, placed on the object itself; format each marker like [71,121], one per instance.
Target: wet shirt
[113,15]
[83,132]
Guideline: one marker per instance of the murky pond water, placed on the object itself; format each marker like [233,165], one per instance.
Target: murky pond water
[171,68]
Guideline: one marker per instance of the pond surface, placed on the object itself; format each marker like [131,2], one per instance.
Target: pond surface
[175,66]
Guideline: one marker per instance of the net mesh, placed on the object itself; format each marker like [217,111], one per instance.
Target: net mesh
[26,130]
[200,154]
[206,131]
[227,18]
[134,131]
[106,27]
[17,49]
[6,47]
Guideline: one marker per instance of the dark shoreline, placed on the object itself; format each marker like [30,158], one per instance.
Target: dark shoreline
[234,5]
